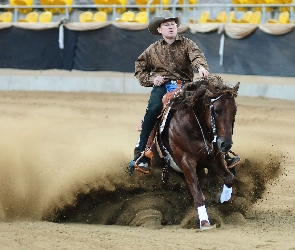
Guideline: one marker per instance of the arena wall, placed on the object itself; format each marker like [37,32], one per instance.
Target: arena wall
[126,83]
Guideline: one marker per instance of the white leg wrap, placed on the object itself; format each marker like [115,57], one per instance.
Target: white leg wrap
[202,212]
[226,193]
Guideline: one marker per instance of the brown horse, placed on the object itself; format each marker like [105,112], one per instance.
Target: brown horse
[197,134]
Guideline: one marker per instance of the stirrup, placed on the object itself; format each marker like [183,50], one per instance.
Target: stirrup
[232,162]
[143,167]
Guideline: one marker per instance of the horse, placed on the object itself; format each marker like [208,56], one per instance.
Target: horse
[195,133]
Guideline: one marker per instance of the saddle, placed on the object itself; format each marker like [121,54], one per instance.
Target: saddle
[162,118]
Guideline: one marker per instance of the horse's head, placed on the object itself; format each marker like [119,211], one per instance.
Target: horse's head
[214,107]
[220,113]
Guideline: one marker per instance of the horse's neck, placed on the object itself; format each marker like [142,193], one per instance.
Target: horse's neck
[200,115]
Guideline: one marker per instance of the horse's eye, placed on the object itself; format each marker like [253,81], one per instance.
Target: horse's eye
[217,112]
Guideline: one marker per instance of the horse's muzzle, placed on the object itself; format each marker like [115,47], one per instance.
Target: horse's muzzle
[225,146]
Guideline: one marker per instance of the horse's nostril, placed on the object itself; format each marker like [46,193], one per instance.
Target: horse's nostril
[225,146]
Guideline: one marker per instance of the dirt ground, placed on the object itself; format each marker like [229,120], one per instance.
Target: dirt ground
[63,185]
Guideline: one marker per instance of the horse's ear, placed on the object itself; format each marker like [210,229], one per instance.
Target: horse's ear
[236,87]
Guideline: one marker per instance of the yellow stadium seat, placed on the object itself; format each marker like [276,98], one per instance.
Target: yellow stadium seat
[205,15]
[23,3]
[6,17]
[220,18]
[245,18]
[240,2]
[31,17]
[118,3]
[256,17]
[48,2]
[100,16]
[254,2]
[141,17]
[45,17]
[283,18]
[267,2]
[141,2]
[62,2]
[103,2]
[283,8]
[189,2]
[144,2]
[127,16]
[85,16]
[165,2]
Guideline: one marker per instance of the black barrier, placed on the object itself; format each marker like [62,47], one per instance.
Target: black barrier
[115,49]
[36,50]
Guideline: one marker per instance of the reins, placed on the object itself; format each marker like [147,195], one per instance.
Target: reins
[212,119]
[204,139]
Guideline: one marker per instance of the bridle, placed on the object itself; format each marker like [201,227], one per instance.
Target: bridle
[213,124]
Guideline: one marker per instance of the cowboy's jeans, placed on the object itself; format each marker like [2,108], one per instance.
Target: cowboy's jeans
[153,110]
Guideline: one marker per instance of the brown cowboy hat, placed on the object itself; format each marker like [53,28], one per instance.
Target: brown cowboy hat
[165,15]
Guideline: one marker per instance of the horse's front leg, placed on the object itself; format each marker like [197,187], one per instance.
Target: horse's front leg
[189,169]
[227,177]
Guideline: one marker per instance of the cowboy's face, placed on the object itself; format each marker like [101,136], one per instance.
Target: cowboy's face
[168,29]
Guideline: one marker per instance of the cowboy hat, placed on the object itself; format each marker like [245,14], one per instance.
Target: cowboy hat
[157,20]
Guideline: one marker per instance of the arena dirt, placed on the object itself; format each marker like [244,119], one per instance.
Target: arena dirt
[62,179]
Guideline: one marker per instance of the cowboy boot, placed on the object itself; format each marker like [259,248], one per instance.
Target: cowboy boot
[231,160]
[142,165]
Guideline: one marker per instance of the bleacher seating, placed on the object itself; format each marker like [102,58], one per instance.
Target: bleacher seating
[283,8]
[100,16]
[141,17]
[127,16]
[201,14]
[26,3]
[62,2]
[119,3]
[45,17]
[205,15]
[245,18]
[85,16]
[144,2]
[256,17]
[268,9]
[283,18]
[6,17]
[48,2]
[57,2]
[240,2]
[103,2]
[192,2]
[220,18]
[255,4]
[31,17]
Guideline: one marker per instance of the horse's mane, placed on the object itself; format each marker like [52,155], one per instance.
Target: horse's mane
[203,90]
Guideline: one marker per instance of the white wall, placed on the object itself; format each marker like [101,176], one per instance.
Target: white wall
[116,82]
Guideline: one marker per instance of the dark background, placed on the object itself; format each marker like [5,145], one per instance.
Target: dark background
[115,49]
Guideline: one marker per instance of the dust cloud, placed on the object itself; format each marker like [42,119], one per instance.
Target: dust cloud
[63,158]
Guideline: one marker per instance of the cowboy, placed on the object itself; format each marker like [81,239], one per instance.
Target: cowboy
[169,59]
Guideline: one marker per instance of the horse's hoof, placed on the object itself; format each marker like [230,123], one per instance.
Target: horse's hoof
[207,227]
